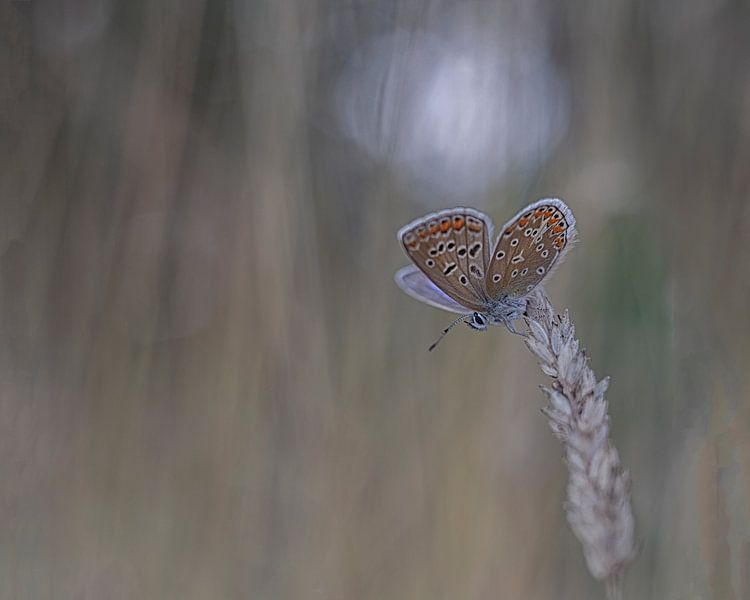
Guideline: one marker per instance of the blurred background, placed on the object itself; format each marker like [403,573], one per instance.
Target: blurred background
[210,386]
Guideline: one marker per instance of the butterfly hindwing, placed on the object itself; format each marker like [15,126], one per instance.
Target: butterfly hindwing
[417,285]
[528,248]
[452,249]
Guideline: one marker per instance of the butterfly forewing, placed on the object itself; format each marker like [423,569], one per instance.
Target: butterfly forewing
[528,248]
[452,249]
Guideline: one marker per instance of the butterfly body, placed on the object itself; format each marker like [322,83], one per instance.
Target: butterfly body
[458,268]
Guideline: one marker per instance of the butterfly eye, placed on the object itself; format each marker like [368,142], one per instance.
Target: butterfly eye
[479,320]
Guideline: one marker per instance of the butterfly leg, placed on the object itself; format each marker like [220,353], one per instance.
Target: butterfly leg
[512,328]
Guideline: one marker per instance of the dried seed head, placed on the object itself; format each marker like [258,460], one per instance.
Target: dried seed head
[598,505]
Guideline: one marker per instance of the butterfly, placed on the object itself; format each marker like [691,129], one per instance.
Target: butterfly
[455,267]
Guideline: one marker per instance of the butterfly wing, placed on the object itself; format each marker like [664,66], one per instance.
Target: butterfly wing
[529,247]
[417,285]
[452,249]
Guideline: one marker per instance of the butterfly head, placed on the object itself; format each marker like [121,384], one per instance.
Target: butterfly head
[477,321]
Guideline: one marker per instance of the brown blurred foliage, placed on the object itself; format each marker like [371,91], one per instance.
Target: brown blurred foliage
[210,386]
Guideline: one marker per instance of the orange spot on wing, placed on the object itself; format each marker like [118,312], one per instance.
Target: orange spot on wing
[551,222]
[445,225]
[423,233]
[509,231]
[538,212]
[522,222]
[558,229]
[434,228]
[559,243]
[549,212]
[458,223]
